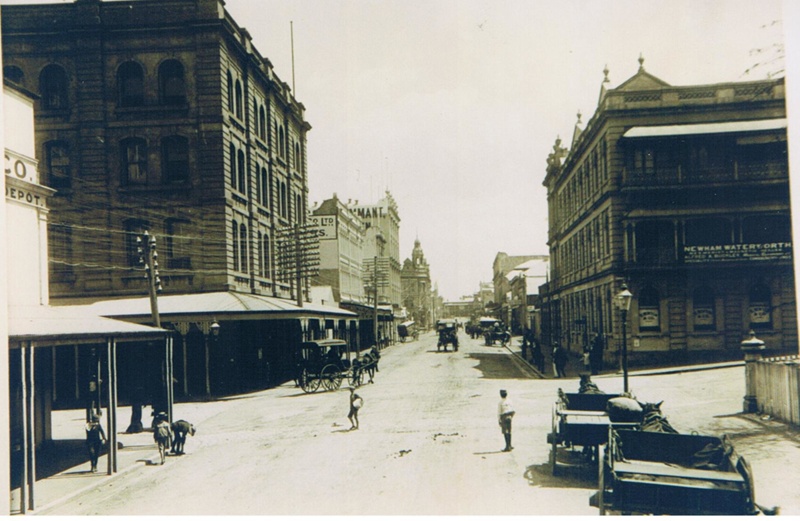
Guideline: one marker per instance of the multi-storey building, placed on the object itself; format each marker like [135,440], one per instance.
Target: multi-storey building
[503,264]
[341,250]
[161,115]
[382,241]
[415,280]
[683,194]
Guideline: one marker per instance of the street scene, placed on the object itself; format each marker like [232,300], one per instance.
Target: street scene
[356,257]
[428,443]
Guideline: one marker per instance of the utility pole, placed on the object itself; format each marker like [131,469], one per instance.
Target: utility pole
[375,302]
[148,256]
[297,265]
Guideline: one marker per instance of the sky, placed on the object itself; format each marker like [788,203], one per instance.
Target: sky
[454,105]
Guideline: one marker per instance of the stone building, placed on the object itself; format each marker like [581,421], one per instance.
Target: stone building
[162,116]
[503,264]
[415,280]
[682,193]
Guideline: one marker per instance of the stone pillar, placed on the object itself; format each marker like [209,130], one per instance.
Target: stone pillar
[752,349]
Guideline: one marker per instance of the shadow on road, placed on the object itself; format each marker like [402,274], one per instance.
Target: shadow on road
[497,366]
[541,475]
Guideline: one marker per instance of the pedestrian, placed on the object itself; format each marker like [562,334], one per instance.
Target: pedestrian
[587,368]
[505,412]
[162,434]
[559,360]
[538,356]
[95,438]
[356,403]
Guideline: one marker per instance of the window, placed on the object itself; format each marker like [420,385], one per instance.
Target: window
[130,85]
[259,200]
[243,247]
[265,187]
[238,99]
[134,228]
[56,155]
[177,244]
[703,314]
[649,319]
[643,161]
[171,86]
[174,159]
[241,171]
[262,123]
[298,208]
[60,250]
[230,92]
[53,88]
[235,229]
[14,73]
[270,194]
[297,156]
[232,153]
[281,144]
[283,201]
[134,161]
[764,229]
[708,232]
[266,259]
[760,307]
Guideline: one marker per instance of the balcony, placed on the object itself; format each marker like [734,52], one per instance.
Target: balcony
[735,173]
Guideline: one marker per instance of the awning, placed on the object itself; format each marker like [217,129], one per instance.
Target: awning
[760,125]
[52,325]
[221,304]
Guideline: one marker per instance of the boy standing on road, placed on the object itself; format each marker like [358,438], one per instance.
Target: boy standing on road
[95,439]
[505,411]
[356,402]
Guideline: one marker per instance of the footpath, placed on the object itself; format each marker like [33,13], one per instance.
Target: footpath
[64,471]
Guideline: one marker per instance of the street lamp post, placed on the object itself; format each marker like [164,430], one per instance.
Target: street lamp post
[623,300]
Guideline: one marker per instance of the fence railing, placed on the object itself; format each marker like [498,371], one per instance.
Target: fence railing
[777,384]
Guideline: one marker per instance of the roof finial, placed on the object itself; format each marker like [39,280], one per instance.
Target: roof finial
[605,74]
[641,62]
[579,117]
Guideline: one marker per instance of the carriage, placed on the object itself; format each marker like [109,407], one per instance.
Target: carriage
[447,331]
[407,329]
[493,331]
[327,363]
[665,473]
[580,420]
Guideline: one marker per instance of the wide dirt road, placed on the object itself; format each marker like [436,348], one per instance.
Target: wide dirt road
[429,443]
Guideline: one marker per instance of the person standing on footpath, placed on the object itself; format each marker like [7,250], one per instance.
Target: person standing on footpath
[559,360]
[95,439]
[356,403]
[597,354]
[505,412]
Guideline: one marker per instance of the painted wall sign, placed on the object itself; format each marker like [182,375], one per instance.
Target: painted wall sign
[738,252]
[326,226]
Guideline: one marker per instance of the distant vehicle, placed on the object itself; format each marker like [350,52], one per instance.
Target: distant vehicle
[493,330]
[325,363]
[407,329]
[448,335]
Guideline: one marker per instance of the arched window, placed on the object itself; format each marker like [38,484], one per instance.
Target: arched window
[235,230]
[258,184]
[230,92]
[14,73]
[57,163]
[265,188]
[232,153]
[133,161]
[241,171]
[281,145]
[298,208]
[171,85]
[703,309]
[270,194]
[243,247]
[266,258]
[262,123]
[238,99]
[760,307]
[260,248]
[284,201]
[53,88]
[297,156]
[174,159]
[649,310]
[130,84]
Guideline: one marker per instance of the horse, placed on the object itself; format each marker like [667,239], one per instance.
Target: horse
[653,420]
[369,362]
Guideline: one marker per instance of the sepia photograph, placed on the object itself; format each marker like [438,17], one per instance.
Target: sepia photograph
[399,257]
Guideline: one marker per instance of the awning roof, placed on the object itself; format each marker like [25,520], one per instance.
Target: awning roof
[221,304]
[759,125]
[72,324]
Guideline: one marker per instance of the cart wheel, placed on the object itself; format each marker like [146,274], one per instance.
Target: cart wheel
[304,381]
[330,377]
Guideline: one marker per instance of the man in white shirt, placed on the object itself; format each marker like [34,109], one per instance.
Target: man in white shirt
[505,411]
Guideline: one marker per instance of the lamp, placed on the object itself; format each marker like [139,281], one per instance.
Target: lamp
[215,327]
[623,302]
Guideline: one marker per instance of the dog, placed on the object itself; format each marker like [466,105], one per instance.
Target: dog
[181,428]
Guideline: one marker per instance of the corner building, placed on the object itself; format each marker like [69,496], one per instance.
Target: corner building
[159,116]
[683,194]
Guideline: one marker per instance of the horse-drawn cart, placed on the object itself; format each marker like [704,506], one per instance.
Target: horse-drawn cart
[407,329]
[673,474]
[447,331]
[580,420]
[327,363]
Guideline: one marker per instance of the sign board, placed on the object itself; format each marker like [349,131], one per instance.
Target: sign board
[738,252]
[325,224]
